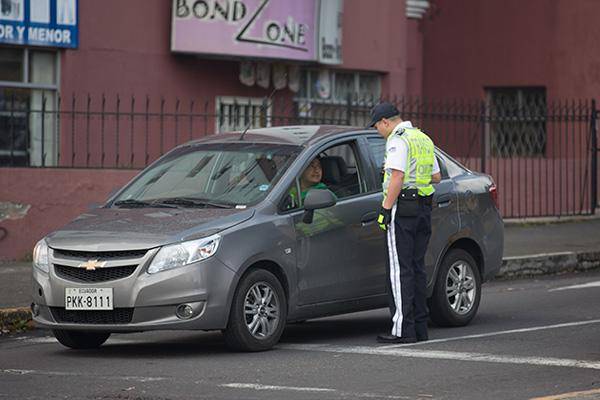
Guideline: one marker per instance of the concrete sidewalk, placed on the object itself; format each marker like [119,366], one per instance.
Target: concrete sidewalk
[556,246]
[529,249]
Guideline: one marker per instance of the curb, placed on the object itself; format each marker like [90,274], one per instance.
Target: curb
[15,320]
[546,264]
[515,222]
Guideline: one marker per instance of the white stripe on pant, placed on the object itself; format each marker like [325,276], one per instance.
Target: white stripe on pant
[395,275]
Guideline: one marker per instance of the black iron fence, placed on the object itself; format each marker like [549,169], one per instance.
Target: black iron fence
[542,154]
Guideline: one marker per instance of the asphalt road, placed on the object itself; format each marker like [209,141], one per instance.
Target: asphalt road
[529,340]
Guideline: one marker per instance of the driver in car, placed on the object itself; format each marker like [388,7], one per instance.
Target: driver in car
[310,179]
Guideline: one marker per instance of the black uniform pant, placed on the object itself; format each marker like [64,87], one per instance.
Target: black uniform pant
[407,240]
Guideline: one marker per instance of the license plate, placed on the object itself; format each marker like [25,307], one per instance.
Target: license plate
[88,298]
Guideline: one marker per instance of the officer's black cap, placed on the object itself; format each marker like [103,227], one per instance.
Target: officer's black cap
[382,110]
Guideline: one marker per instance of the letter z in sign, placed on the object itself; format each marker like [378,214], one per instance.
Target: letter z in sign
[88,298]
[289,34]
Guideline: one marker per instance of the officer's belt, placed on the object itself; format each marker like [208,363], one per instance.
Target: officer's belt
[413,194]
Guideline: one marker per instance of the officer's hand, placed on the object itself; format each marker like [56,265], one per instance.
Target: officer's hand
[384,218]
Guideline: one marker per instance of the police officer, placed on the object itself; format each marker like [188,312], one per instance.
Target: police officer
[410,168]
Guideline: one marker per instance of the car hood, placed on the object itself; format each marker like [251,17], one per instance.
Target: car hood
[115,229]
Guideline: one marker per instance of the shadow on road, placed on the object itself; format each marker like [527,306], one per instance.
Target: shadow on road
[193,344]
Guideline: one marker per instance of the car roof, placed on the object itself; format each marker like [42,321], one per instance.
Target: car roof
[299,135]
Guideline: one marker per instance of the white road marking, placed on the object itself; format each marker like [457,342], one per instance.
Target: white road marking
[77,374]
[497,333]
[581,286]
[38,340]
[251,386]
[11,270]
[257,386]
[448,355]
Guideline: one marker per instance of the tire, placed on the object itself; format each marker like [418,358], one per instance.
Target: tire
[448,308]
[256,320]
[80,339]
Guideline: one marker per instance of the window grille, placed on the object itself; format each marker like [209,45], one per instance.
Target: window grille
[517,121]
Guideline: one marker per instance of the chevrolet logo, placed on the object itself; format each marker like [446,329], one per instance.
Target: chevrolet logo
[91,265]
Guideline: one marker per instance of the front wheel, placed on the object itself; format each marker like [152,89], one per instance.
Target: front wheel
[258,313]
[457,290]
[80,339]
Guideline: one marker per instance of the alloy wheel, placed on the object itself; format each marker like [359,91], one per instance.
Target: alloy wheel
[460,287]
[261,310]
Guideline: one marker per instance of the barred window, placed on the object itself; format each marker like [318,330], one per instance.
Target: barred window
[28,98]
[516,121]
[324,94]
[235,113]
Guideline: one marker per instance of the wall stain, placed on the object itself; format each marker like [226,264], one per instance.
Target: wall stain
[9,210]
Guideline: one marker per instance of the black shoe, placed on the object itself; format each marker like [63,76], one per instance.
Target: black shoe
[422,338]
[395,339]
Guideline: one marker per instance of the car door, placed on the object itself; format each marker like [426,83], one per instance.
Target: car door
[444,215]
[334,249]
[445,218]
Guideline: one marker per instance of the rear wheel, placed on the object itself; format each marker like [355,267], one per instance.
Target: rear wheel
[258,313]
[457,290]
[80,339]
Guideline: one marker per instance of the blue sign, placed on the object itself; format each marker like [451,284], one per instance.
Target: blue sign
[48,23]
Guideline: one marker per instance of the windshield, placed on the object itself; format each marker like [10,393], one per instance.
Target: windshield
[210,175]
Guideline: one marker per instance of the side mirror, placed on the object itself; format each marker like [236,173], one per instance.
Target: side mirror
[317,199]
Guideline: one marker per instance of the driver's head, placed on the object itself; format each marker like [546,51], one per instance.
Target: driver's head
[312,174]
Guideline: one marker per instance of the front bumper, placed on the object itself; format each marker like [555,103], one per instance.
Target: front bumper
[141,301]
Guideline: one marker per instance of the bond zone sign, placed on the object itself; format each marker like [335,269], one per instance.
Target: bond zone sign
[280,29]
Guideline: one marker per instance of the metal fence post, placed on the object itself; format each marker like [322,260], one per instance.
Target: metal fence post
[594,149]
[483,142]
[117,132]
[43,129]
[11,122]
[349,109]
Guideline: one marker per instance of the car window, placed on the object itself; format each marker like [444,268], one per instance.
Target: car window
[377,150]
[453,169]
[341,172]
[291,201]
[442,164]
[231,174]
[335,169]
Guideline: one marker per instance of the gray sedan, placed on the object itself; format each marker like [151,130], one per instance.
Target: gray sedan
[222,234]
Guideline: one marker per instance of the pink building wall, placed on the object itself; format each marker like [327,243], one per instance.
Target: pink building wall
[471,44]
[376,38]
[125,48]
[54,197]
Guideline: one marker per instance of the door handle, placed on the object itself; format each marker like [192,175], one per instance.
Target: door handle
[444,201]
[368,218]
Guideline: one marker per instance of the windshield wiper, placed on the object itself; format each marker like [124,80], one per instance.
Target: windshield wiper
[192,202]
[140,204]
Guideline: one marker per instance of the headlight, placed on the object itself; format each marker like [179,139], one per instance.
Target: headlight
[40,256]
[178,255]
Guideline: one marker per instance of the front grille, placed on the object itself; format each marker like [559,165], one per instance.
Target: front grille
[76,274]
[116,316]
[99,255]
